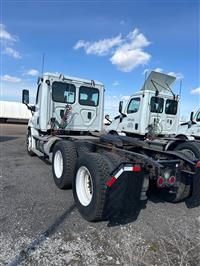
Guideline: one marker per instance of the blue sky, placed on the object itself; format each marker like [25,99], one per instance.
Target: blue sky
[111,41]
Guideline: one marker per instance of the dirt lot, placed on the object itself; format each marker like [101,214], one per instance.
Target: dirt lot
[41,226]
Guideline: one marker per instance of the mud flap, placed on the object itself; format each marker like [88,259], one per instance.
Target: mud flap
[194,200]
[124,199]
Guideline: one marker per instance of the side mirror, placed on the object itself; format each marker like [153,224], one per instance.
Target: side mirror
[25,97]
[192,116]
[120,107]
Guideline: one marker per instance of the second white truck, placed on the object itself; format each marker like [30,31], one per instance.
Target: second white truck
[190,129]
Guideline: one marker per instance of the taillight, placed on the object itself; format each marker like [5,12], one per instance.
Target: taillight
[172,180]
[160,181]
[198,164]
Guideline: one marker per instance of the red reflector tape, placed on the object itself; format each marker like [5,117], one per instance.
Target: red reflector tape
[110,182]
[136,169]
[198,164]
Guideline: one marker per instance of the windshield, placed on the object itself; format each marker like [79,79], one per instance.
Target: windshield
[88,96]
[63,92]
[198,117]
[171,107]
[156,105]
[134,105]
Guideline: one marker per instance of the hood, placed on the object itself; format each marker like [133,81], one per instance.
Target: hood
[161,81]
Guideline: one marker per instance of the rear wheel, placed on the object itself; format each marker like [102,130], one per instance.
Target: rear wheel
[190,149]
[63,163]
[89,185]
[84,146]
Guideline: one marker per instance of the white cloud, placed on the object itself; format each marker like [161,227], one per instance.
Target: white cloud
[5,35]
[158,69]
[127,60]
[13,53]
[145,71]
[177,75]
[126,53]
[101,47]
[32,72]
[125,98]
[195,91]
[10,79]
[81,44]
[115,83]
[131,54]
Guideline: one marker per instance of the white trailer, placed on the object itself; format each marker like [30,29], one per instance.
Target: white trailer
[13,111]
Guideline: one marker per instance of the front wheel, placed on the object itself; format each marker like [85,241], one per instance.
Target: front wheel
[89,185]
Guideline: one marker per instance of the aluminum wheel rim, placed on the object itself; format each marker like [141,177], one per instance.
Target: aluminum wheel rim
[58,164]
[84,186]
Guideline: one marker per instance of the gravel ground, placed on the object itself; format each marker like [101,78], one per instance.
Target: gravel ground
[41,226]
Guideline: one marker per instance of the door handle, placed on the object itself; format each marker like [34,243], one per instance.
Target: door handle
[89,115]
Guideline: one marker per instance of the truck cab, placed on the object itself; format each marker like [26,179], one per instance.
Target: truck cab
[190,129]
[67,103]
[154,109]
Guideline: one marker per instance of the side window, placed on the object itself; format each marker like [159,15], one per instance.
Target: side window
[63,92]
[156,105]
[37,95]
[88,96]
[171,107]
[133,106]
[198,117]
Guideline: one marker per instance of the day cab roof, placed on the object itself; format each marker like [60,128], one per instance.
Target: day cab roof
[67,78]
[160,82]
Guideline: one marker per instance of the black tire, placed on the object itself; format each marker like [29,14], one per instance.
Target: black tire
[84,146]
[67,151]
[113,132]
[98,169]
[29,151]
[189,146]
[181,137]
[114,160]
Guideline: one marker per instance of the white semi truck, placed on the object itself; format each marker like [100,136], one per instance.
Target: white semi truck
[109,174]
[190,129]
[152,110]
[153,113]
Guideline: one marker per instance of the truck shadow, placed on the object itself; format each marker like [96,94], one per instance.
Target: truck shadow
[7,138]
[189,202]
[36,243]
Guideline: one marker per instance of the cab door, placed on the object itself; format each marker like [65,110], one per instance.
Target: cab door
[131,122]
[156,115]
[88,109]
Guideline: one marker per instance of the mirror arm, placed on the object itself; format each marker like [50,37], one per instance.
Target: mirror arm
[31,107]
